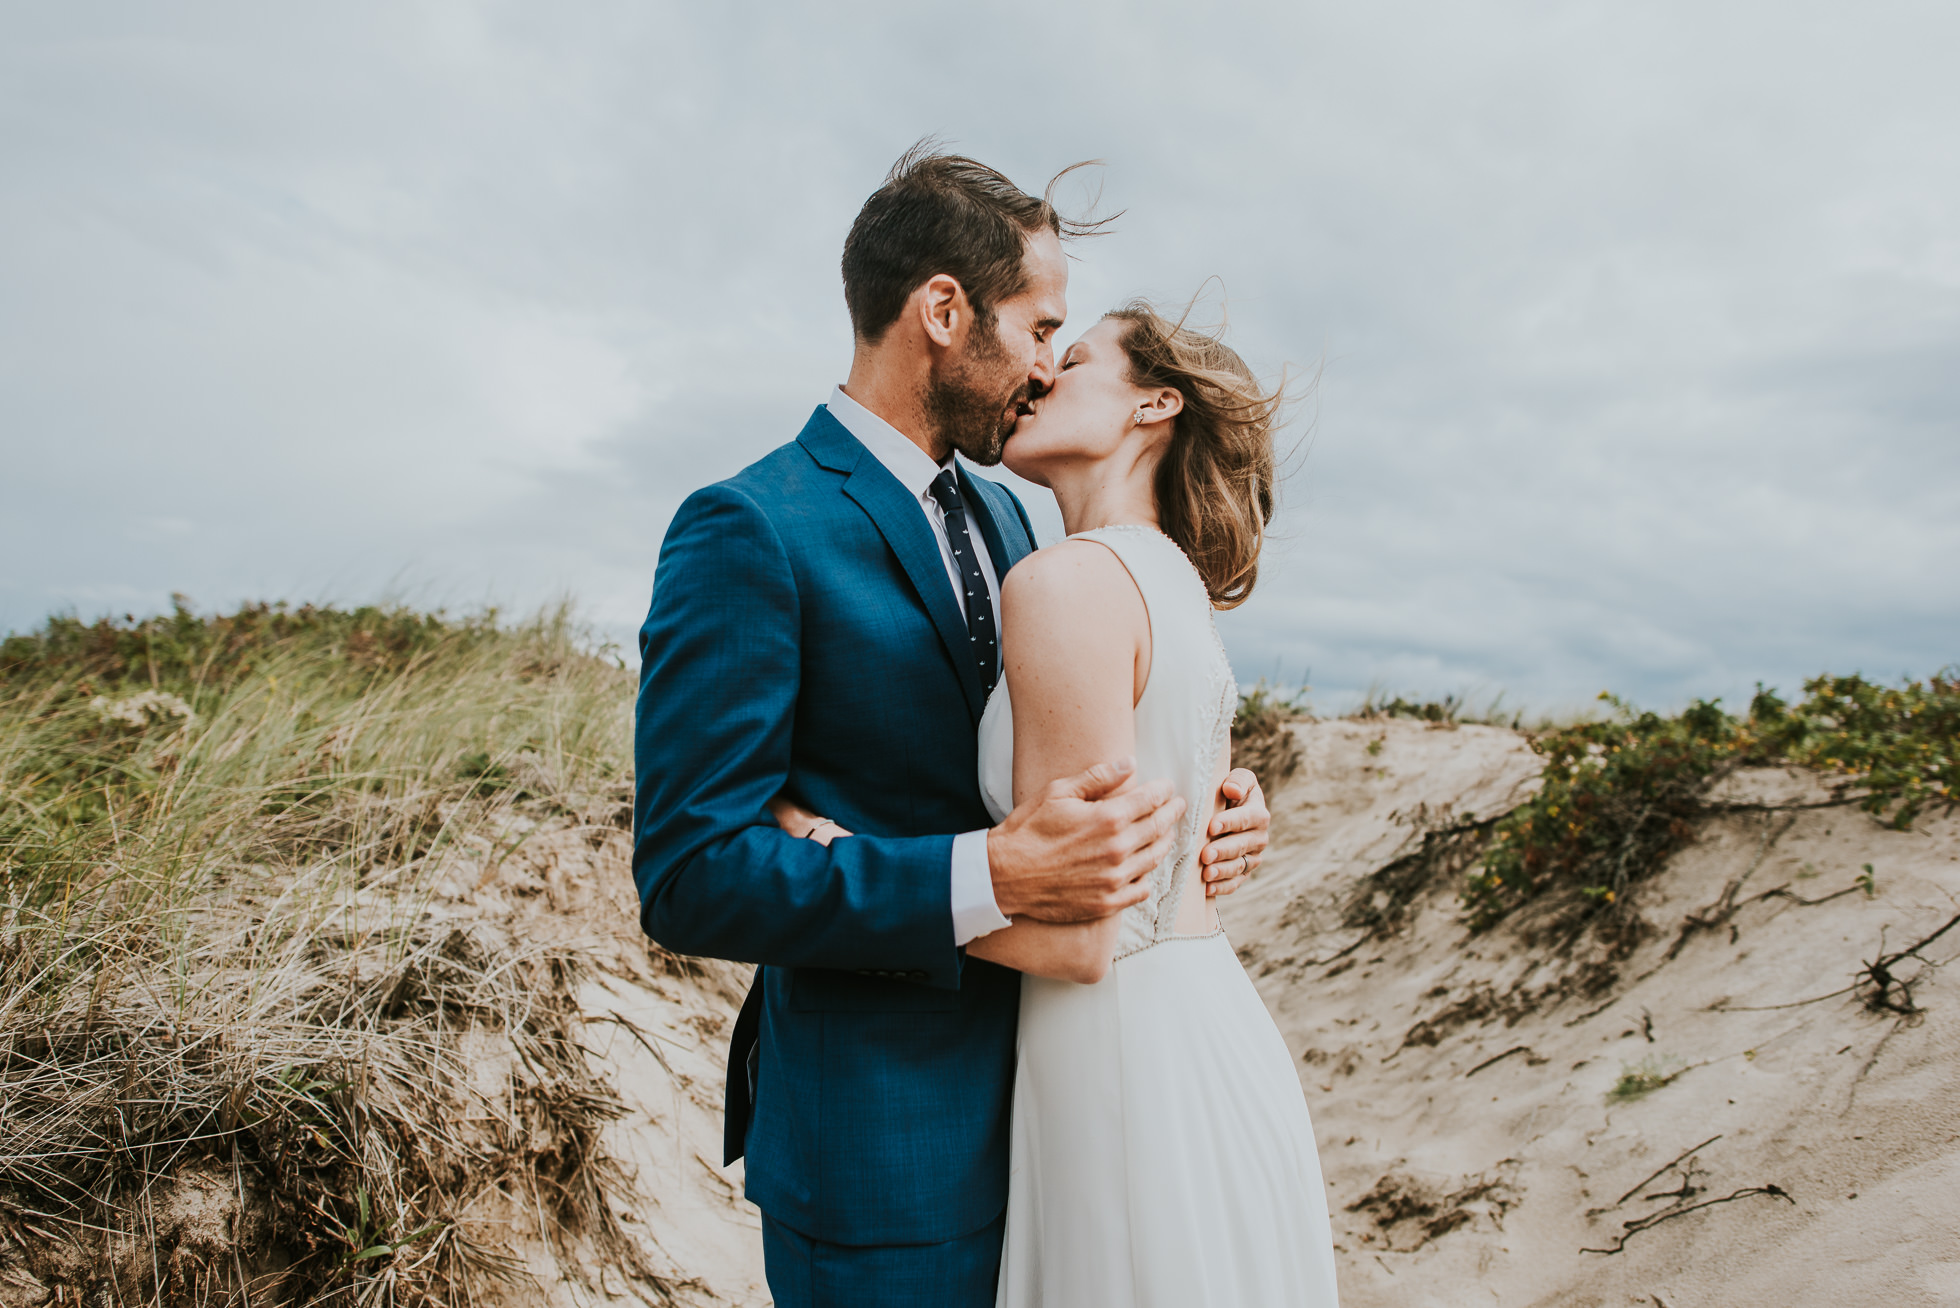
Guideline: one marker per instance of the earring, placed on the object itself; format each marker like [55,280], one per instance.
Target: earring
[1139,421]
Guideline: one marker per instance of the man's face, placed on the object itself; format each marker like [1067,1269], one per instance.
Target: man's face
[978,394]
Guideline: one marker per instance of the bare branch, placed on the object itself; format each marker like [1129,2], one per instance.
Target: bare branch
[1639,1224]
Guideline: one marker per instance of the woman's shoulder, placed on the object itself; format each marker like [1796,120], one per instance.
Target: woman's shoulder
[1076,576]
[1069,565]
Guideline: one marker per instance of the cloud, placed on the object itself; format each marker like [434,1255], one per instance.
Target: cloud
[1634,328]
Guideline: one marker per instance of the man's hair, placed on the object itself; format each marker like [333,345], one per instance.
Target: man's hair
[944,213]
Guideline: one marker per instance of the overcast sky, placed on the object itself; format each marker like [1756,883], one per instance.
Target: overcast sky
[1637,328]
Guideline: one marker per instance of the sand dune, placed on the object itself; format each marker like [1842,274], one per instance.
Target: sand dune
[1463,1087]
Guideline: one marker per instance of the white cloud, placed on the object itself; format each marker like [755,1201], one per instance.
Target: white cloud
[1636,324]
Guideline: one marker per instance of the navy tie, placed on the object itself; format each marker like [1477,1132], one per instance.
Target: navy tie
[979,604]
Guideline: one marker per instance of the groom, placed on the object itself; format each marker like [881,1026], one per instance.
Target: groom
[823,630]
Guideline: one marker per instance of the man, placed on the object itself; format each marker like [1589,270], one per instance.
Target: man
[822,634]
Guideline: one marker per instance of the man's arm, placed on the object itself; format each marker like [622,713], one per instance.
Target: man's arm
[720,673]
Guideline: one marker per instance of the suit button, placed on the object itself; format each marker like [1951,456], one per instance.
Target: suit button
[915,976]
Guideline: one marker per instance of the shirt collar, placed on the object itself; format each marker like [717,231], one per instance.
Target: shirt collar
[912,466]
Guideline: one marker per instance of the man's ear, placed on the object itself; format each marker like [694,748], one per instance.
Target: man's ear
[942,308]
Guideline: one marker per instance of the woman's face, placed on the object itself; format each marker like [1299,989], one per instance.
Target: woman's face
[1086,415]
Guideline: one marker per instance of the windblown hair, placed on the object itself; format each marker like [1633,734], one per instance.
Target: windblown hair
[945,213]
[1214,486]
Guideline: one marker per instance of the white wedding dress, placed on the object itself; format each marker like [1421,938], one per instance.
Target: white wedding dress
[1161,1153]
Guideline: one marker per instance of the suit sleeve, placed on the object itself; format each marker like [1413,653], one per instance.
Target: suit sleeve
[720,665]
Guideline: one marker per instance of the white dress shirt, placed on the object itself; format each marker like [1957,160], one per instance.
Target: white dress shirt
[975,912]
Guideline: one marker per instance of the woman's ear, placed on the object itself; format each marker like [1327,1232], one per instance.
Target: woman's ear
[1165,404]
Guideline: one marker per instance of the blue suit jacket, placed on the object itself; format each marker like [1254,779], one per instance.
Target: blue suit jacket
[804,637]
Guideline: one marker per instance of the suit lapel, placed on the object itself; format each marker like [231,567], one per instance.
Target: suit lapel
[902,522]
[903,525]
[1000,526]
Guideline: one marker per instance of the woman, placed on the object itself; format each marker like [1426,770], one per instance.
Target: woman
[1161,1150]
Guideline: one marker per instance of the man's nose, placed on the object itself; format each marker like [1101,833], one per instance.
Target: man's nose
[1042,375]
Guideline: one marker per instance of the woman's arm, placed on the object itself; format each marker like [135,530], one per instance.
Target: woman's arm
[1076,952]
[1076,641]
[1075,637]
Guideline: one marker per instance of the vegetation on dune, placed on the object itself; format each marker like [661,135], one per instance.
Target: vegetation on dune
[1448,711]
[216,840]
[1622,791]
[1638,1080]
[1261,736]
[1263,741]
[115,732]
[1620,794]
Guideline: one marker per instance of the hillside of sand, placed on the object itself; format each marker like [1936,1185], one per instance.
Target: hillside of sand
[1479,1098]
[1721,1115]
[1719,1107]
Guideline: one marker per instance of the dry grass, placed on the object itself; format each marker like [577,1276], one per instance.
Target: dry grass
[1262,733]
[240,1044]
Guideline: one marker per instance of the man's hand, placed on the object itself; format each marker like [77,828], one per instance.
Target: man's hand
[1238,835]
[1081,848]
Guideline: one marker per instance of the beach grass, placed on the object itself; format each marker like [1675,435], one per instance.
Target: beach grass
[218,836]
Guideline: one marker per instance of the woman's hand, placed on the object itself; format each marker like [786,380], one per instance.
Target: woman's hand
[1238,835]
[802,823]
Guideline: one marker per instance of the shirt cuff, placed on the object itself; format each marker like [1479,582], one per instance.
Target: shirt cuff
[975,913]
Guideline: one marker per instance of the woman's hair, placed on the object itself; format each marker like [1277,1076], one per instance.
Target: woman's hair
[1215,484]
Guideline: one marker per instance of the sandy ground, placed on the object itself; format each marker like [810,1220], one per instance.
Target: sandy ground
[1462,1087]
[1470,1142]
[656,1028]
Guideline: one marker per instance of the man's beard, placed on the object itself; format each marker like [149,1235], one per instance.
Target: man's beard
[971,405]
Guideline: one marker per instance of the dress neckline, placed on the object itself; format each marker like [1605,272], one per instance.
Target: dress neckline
[1143,527]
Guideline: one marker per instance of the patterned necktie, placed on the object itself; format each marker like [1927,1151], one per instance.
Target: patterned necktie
[979,604]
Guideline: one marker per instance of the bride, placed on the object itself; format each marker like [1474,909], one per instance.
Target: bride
[1161,1151]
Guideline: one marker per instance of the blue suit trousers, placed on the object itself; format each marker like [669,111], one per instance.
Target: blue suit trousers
[956,1273]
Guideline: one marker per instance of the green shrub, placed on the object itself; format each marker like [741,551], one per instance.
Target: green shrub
[1899,747]
[1621,794]
[1638,1080]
